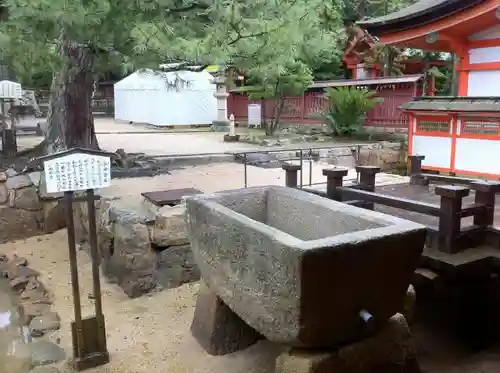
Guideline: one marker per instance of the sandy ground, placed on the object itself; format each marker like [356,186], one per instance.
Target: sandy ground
[136,138]
[148,334]
[151,333]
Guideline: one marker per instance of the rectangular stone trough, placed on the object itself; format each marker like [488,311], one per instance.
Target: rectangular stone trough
[301,269]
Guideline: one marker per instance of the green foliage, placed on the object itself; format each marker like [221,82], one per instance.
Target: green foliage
[276,83]
[279,81]
[131,34]
[347,109]
[361,9]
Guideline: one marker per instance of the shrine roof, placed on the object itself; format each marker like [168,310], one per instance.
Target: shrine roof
[454,104]
[352,82]
[418,14]
[363,82]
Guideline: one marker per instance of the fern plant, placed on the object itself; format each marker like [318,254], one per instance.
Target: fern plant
[347,109]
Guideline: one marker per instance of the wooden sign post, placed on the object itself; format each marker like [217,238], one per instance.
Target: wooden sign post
[69,171]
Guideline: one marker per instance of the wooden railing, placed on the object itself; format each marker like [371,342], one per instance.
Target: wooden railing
[449,236]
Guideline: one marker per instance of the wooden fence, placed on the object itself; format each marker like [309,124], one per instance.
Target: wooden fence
[301,110]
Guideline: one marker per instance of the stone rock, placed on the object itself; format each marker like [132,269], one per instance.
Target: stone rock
[35,296]
[175,266]
[45,353]
[14,265]
[10,172]
[15,271]
[54,216]
[27,199]
[18,284]
[35,177]
[218,330]
[131,262]
[384,154]
[19,181]
[389,351]
[44,323]
[170,227]
[30,310]
[255,159]
[4,194]
[271,262]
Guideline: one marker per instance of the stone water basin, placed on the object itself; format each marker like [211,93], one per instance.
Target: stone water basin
[300,269]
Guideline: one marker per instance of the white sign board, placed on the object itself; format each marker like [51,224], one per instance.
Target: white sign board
[10,90]
[76,172]
[254,115]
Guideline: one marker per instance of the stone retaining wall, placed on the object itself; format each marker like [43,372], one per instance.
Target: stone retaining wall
[25,211]
[140,250]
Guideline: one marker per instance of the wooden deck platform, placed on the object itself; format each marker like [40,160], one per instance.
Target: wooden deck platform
[424,194]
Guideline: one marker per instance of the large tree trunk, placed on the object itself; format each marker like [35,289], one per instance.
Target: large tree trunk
[70,120]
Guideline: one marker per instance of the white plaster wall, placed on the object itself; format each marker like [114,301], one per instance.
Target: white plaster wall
[484,55]
[478,156]
[484,83]
[437,150]
[361,73]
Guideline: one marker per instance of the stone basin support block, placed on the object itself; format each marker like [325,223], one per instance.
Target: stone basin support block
[389,351]
[218,330]
[170,227]
[291,171]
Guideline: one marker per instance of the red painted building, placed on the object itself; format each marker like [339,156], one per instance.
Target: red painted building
[300,110]
[455,134]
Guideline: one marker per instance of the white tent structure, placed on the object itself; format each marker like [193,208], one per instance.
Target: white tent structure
[173,98]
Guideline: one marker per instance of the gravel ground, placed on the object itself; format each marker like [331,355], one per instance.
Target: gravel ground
[138,138]
[151,333]
[223,176]
[148,334]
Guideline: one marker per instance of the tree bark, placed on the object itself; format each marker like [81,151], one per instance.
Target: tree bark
[70,119]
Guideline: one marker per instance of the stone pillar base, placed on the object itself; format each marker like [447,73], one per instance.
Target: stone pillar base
[218,330]
[389,351]
[220,125]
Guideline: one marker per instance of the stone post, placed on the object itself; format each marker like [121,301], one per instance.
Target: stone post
[485,195]
[221,124]
[334,180]
[450,219]
[367,176]
[232,130]
[231,136]
[291,179]
[415,170]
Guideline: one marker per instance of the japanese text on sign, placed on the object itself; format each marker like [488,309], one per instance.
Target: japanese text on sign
[77,172]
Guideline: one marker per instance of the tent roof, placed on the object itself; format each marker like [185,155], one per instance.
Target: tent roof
[147,79]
